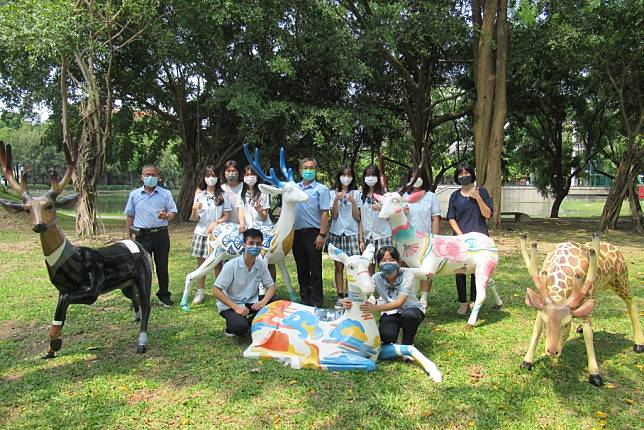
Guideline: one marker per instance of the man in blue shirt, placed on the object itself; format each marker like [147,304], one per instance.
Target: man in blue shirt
[149,210]
[311,224]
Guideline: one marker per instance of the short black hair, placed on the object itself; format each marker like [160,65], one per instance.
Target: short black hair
[387,249]
[254,233]
[464,167]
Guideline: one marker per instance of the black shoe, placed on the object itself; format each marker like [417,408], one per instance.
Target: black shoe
[166,301]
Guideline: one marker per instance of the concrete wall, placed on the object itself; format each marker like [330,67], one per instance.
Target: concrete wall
[526,199]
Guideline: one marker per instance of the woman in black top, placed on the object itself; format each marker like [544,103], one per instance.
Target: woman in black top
[468,211]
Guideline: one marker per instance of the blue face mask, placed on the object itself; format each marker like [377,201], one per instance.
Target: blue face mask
[389,267]
[308,174]
[150,181]
[253,250]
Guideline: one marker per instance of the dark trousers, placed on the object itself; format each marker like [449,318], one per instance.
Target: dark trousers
[408,320]
[237,324]
[309,266]
[461,288]
[158,245]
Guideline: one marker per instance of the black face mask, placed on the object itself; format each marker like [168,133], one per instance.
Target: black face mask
[465,180]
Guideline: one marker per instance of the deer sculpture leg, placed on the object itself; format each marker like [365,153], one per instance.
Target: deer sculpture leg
[208,265]
[528,360]
[130,294]
[593,369]
[491,285]
[389,351]
[287,280]
[483,273]
[64,300]
[638,337]
[144,290]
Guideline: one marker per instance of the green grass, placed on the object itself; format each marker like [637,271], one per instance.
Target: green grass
[584,208]
[194,377]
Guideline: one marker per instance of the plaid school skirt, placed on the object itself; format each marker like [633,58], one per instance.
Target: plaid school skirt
[349,244]
[377,244]
[199,247]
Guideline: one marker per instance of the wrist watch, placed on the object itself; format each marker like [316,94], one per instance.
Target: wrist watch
[322,234]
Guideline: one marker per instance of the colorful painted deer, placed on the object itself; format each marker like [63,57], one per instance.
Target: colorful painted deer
[564,294]
[227,242]
[80,274]
[433,255]
[294,333]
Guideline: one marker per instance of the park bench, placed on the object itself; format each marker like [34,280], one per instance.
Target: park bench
[518,216]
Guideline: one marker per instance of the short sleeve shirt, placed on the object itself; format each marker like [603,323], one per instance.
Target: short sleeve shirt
[421,212]
[373,227]
[240,284]
[233,194]
[209,211]
[145,207]
[251,216]
[466,212]
[403,284]
[345,224]
[308,214]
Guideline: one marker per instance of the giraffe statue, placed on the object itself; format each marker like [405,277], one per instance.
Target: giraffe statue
[561,297]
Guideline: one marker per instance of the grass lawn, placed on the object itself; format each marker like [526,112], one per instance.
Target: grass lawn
[194,377]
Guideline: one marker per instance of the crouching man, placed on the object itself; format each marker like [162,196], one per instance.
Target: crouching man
[237,286]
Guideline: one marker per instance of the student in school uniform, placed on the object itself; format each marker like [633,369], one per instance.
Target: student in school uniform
[232,187]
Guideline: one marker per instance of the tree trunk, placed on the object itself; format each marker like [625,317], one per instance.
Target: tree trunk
[636,208]
[554,210]
[624,180]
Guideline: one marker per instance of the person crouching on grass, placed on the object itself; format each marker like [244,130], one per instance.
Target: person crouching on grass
[401,308]
[237,286]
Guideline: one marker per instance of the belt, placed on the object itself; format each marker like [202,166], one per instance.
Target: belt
[308,229]
[152,230]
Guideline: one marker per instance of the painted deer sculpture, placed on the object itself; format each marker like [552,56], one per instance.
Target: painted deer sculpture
[568,285]
[432,255]
[295,335]
[227,242]
[80,274]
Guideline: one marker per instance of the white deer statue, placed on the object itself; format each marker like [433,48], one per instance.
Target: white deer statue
[430,255]
[295,334]
[226,241]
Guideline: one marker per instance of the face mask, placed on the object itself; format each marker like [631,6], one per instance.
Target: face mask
[308,174]
[465,180]
[232,177]
[418,183]
[211,181]
[346,180]
[253,250]
[150,181]
[250,180]
[389,267]
[371,180]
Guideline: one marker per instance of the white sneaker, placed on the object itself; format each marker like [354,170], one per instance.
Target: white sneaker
[338,304]
[462,308]
[229,334]
[199,297]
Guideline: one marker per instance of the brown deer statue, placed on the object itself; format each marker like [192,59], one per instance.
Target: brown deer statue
[568,285]
[79,273]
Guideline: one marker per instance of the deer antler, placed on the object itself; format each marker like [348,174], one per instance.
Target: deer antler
[403,188]
[254,162]
[6,160]
[531,263]
[287,172]
[59,187]
[579,294]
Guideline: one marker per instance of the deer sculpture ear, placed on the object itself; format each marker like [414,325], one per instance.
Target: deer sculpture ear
[415,196]
[584,309]
[533,299]
[12,207]
[337,254]
[267,189]
[377,197]
[68,202]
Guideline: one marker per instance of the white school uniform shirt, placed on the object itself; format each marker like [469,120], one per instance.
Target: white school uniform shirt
[345,224]
[240,284]
[373,227]
[421,213]
[233,195]
[251,216]
[209,211]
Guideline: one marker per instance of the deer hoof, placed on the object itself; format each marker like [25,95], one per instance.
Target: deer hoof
[50,354]
[638,348]
[596,380]
[141,349]
[580,330]
[469,327]
[56,344]
[527,366]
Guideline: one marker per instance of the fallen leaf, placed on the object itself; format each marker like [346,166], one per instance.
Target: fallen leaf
[185,421]
[255,369]
[600,414]
[629,401]
[292,382]
[611,386]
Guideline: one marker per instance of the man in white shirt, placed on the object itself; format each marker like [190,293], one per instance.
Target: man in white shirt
[237,286]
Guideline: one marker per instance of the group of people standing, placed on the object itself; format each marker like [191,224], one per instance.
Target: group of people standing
[346,215]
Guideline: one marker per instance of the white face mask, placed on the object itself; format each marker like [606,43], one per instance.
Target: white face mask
[418,183]
[346,180]
[211,181]
[250,180]
[371,180]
